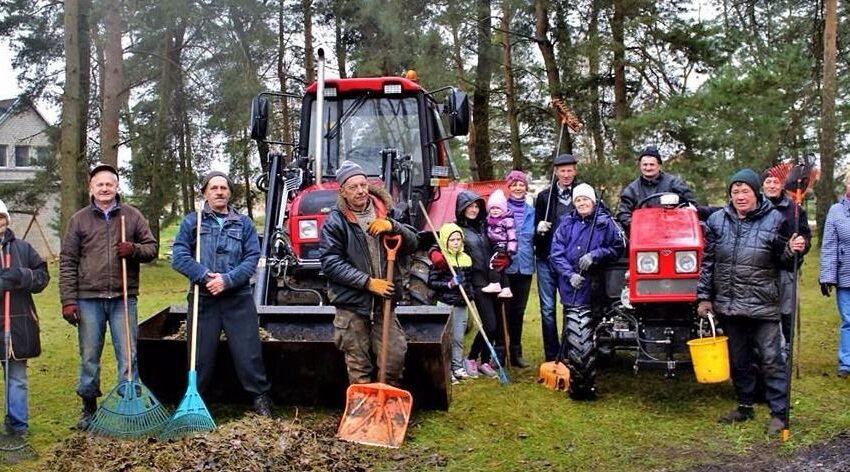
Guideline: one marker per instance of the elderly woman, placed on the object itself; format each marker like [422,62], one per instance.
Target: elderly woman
[835,270]
[521,269]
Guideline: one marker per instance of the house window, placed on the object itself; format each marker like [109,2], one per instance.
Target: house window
[41,155]
[22,156]
[3,150]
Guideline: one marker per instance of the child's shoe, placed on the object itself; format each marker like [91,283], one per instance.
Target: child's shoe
[493,287]
[460,374]
[506,293]
[455,381]
[486,369]
[471,368]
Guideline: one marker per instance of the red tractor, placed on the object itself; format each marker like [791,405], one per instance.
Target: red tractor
[650,298]
[394,129]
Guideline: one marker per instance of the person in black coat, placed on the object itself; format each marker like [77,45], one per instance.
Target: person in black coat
[22,273]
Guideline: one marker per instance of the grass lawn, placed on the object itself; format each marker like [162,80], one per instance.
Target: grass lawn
[641,421]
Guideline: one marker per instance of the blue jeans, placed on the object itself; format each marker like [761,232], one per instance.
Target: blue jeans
[459,317]
[95,313]
[842,296]
[547,290]
[17,409]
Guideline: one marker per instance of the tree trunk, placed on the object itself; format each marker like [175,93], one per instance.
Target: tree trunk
[620,108]
[510,88]
[595,120]
[286,111]
[113,82]
[547,50]
[309,59]
[825,194]
[482,166]
[460,68]
[340,38]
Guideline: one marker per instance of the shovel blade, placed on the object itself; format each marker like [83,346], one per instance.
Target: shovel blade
[376,414]
[554,375]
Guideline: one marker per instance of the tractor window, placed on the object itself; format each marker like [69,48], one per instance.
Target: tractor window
[368,126]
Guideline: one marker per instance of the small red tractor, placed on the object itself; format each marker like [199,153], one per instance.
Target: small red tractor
[649,298]
[394,129]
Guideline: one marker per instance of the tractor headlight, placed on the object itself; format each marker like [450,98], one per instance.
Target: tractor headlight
[686,262]
[308,229]
[647,262]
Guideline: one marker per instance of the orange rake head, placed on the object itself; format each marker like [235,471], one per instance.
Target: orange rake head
[376,414]
[554,375]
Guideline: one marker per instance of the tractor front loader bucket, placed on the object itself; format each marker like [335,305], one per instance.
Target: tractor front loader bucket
[302,363]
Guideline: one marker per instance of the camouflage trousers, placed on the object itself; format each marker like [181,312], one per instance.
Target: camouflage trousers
[360,341]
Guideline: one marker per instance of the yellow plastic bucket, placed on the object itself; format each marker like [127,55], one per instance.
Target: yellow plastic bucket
[710,356]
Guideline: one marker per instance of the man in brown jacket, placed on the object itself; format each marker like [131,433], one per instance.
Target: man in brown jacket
[90,280]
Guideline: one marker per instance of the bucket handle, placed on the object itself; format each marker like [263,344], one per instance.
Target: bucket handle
[711,322]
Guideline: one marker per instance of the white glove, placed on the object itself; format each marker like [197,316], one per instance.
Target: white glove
[543,227]
[576,281]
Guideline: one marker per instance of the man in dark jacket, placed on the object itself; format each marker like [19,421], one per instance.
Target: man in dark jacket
[354,260]
[747,244]
[90,282]
[549,208]
[22,273]
[230,251]
[652,180]
[774,190]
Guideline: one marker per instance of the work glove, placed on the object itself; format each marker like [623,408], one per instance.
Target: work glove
[380,226]
[126,249]
[585,261]
[380,287]
[12,277]
[543,227]
[704,308]
[826,289]
[576,281]
[500,261]
[438,259]
[71,313]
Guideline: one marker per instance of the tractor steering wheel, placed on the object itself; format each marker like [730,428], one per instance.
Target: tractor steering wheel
[644,202]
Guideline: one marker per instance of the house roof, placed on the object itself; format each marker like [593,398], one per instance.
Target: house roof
[7,110]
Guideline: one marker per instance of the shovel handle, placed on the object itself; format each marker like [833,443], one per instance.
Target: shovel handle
[392,243]
[7,299]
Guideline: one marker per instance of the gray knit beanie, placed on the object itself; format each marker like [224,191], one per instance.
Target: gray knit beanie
[347,170]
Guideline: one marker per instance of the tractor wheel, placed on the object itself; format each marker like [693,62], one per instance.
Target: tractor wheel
[417,280]
[581,353]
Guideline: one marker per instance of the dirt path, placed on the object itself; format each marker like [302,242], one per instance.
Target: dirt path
[831,456]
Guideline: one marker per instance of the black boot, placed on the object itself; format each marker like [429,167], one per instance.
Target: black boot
[89,409]
[516,358]
[263,405]
[738,415]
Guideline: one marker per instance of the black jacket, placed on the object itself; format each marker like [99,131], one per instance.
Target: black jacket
[475,241]
[786,207]
[641,188]
[438,281]
[543,242]
[345,257]
[34,278]
[743,257]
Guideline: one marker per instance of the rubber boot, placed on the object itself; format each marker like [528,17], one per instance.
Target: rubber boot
[263,405]
[516,358]
[500,352]
[89,409]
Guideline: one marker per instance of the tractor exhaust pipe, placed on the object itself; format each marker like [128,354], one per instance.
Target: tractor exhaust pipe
[320,111]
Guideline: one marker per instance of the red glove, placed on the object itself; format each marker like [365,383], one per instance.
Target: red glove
[71,313]
[438,260]
[500,261]
[126,249]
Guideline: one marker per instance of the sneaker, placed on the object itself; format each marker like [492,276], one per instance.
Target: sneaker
[506,293]
[487,369]
[471,368]
[455,381]
[738,415]
[493,287]
[775,426]
[460,374]
[843,374]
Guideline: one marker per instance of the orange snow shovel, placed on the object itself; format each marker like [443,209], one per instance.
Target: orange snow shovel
[377,414]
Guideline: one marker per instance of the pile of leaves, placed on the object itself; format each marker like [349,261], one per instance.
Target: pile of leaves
[252,443]
[182,333]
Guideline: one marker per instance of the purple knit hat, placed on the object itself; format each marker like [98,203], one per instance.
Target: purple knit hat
[516,176]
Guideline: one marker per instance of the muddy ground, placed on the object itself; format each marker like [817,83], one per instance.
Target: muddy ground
[831,456]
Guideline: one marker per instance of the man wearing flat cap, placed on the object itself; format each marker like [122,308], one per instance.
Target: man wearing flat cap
[355,262]
[90,280]
[230,251]
[652,180]
[550,205]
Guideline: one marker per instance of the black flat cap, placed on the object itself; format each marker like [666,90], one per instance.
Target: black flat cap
[103,166]
[565,159]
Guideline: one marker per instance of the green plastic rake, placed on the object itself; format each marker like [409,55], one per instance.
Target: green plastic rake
[130,410]
[192,416]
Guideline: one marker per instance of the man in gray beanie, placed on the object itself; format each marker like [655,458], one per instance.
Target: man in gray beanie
[739,282]
[353,259]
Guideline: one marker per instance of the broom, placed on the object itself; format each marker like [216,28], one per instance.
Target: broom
[192,416]
[130,410]
[13,448]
